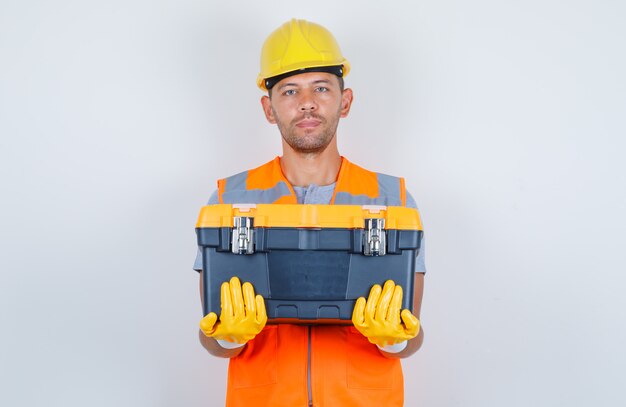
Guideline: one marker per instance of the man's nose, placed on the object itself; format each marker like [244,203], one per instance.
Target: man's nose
[307,103]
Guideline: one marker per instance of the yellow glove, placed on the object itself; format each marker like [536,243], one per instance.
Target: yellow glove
[242,317]
[378,318]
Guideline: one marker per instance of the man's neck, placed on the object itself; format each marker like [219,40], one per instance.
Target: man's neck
[306,169]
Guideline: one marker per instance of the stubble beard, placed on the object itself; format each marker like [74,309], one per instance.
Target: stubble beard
[309,143]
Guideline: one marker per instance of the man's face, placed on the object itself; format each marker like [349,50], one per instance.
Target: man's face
[307,108]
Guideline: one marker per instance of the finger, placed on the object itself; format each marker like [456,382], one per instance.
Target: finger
[411,323]
[207,324]
[249,300]
[358,317]
[261,313]
[227,303]
[385,299]
[372,301]
[235,290]
[395,306]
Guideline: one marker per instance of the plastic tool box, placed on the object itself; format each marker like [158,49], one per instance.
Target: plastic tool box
[309,262]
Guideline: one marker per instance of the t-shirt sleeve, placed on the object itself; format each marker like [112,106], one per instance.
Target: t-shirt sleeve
[420,261]
[197,264]
[213,199]
[410,201]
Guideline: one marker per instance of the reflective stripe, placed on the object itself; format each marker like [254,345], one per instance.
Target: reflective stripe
[270,195]
[344,198]
[389,186]
[236,182]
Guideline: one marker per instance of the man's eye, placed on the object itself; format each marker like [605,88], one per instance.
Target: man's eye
[289,92]
[321,89]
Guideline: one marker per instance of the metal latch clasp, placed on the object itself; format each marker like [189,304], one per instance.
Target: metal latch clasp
[375,242]
[243,232]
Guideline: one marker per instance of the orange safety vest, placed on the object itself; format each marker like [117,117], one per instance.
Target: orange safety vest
[322,366]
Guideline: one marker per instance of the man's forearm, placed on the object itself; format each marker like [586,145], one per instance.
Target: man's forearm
[215,349]
[412,346]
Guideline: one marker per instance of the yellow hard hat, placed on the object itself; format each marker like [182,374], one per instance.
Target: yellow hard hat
[299,46]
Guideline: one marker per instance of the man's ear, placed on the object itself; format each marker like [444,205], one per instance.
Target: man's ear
[266,103]
[346,101]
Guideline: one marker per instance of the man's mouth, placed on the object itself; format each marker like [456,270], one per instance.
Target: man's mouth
[307,123]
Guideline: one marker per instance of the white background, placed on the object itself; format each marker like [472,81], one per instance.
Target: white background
[506,118]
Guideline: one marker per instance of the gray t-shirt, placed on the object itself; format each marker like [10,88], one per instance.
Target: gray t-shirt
[321,195]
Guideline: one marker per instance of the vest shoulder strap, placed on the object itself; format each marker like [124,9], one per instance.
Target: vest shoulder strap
[358,186]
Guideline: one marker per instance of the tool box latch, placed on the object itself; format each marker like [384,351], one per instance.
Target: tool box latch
[375,242]
[242,241]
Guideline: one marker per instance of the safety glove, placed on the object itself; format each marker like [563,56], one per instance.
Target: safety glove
[379,318]
[242,316]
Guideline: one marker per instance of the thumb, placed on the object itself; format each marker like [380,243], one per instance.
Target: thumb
[207,324]
[411,323]
[261,312]
[358,317]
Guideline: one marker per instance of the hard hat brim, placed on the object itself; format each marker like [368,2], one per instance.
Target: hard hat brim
[338,70]
[261,80]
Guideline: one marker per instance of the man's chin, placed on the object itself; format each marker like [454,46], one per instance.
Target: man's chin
[309,149]
[308,142]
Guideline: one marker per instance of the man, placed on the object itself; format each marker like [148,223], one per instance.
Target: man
[284,365]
